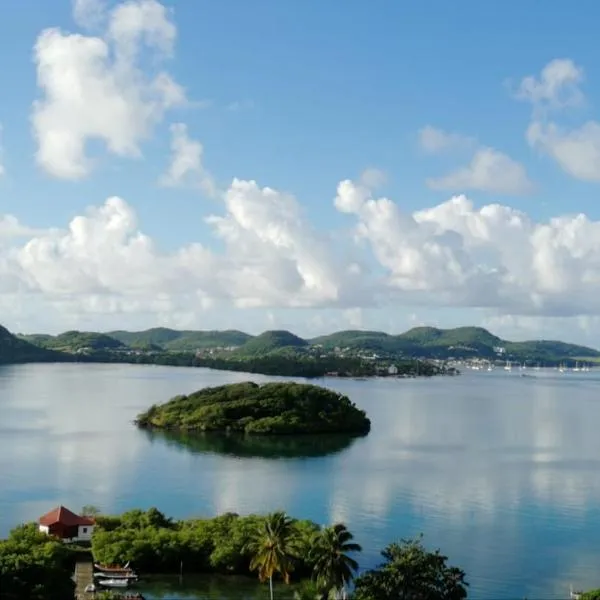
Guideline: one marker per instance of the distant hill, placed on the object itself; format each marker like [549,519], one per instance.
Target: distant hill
[425,342]
[73,341]
[180,341]
[460,341]
[271,341]
[13,349]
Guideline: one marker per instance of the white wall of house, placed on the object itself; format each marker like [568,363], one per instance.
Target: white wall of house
[84,533]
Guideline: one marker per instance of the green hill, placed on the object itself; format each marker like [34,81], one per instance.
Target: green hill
[460,341]
[271,341]
[74,341]
[425,342]
[270,408]
[14,349]
[180,341]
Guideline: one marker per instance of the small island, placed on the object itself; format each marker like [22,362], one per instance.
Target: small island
[285,408]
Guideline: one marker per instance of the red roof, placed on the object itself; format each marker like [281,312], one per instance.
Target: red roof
[64,516]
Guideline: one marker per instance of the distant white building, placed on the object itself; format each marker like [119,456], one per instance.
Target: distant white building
[392,370]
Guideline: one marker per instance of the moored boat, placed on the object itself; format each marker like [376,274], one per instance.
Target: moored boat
[113,583]
[113,568]
[126,576]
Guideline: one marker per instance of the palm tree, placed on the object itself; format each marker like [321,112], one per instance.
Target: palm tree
[333,568]
[273,548]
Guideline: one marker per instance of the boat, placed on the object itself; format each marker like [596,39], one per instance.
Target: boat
[113,582]
[113,568]
[129,576]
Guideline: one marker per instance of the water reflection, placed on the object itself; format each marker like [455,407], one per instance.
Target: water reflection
[497,470]
[246,446]
[211,588]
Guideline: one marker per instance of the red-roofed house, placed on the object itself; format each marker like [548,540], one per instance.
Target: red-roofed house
[66,525]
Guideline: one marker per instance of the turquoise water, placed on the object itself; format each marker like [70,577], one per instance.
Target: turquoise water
[499,471]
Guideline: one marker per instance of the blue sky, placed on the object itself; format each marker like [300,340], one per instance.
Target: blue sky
[299,97]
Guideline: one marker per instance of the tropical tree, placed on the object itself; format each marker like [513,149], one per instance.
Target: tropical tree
[333,569]
[308,590]
[90,510]
[410,572]
[274,548]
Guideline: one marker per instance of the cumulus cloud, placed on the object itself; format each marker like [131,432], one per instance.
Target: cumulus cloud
[433,140]
[89,14]
[186,167]
[489,171]
[93,88]
[557,86]
[450,255]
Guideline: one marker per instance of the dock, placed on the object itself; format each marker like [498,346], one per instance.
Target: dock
[84,575]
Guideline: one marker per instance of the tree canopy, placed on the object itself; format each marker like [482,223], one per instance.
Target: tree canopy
[34,566]
[271,408]
[410,572]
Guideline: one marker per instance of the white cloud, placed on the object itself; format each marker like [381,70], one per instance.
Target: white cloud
[557,86]
[186,167]
[433,140]
[94,89]
[89,13]
[489,171]
[452,255]
[576,151]
[373,178]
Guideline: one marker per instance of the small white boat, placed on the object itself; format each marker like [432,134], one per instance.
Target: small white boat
[121,583]
[131,576]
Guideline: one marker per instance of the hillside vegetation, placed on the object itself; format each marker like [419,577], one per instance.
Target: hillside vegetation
[16,350]
[270,408]
[279,347]
[73,341]
[270,341]
[180,341]
[460,341]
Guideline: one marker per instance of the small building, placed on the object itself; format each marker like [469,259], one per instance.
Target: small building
[66,525]
[392,370]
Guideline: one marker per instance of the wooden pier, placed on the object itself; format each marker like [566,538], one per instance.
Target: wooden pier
[84,575]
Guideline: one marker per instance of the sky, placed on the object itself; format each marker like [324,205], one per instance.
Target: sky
[301,165]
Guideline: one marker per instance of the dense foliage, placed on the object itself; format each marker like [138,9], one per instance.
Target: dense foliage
[181,341]
[268,341]
[410,572]
[16,350]
[34,566]
[274,546]
[270,408]
[156,544]
[74,341]
[590,595]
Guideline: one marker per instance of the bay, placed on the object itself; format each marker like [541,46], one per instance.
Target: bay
[497,470]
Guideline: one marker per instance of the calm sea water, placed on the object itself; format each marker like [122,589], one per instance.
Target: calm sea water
[500,472]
